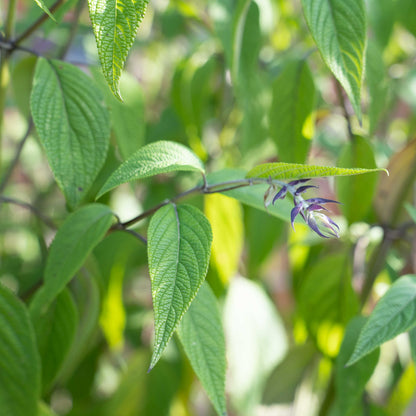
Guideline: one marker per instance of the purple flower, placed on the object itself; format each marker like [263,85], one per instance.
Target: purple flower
[310,209]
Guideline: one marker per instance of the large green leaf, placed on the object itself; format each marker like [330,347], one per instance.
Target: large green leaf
[356,193]
[19,359]
[202,337]
[55,331]
[179,242]
[394,313]
[290,112]
[290,171]
[350,381]
[74,241]
[115,23]
[72,123]
[256,341]
[339,30]
[152,159]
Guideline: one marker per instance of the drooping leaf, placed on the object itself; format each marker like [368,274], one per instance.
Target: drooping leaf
[256,341]
[74,241]
[127,117]
[225,216]
[45,8]
[289,171]
[350,381]
[356,193]
[55,330]
[115,23]
[394,313]
[152,159]
[381,18]
[339,30]
[202,337]
[291,112]
[179,243]
[327,301]
[19,362]
[72,124]
[250,195]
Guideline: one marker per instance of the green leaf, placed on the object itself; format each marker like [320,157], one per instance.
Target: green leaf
[250,195]
[115,23]
[350,381]
[381,17]
[355,193]
[127,117]
[55,330]
[256,341]
[22,80]
[74,241]
[153,159]
[19,359]
[44,7]
[73,125]
[290,171]
[45,410]
[339,30]
[202,337]
[291,111]
[394,313]
[179,242]
[411,210]
[327,301]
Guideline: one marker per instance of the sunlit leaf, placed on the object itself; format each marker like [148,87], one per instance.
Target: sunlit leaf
[202,337]
[153,159]
[115,23]
[225,216]
[74,241]
[19,362]
[72,124]
[394,313]
[339,30]
[288,171]
[292,105]
[256,342]
[400,401]
[179,243]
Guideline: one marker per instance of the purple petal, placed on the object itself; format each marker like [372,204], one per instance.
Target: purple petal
[280,195]
[320,201]
[293,183]
[293,214]
[304,188]
[316,207]
[314,226]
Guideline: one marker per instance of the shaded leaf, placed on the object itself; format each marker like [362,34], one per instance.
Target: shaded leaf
[339,30]
[179,242]
[22,80]
[286,171]
[19,362]
[202,337]
[72,124]
[153,159]
[394,313]
[291,111]
[74,241]
[115,23]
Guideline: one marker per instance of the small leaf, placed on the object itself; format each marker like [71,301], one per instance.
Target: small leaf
[153,159]
[179,242]
[55,330]
[226,218]
[339,30]
[292,105]
[394,313]
[19,363]
[115,23]
[288,171]
[74,241]
[350,381]
[73,125]
[44,7]
[202,337]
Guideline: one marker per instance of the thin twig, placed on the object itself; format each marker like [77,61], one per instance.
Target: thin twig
[73,29]
[47,221]
[344,107]
[137,235]
[15,160]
